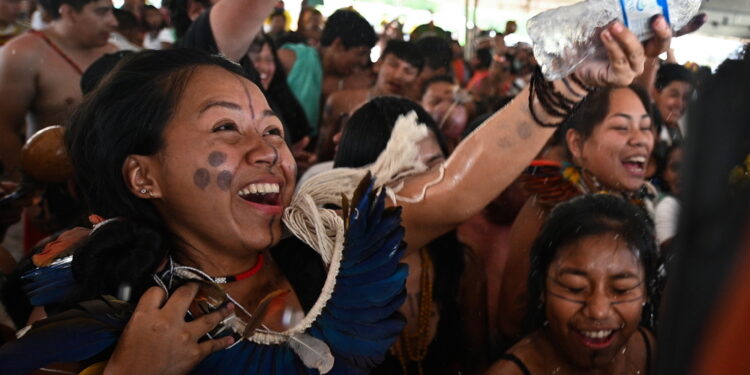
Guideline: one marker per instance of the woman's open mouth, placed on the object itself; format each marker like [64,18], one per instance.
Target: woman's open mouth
[636,165]
[596,339]
[264,196]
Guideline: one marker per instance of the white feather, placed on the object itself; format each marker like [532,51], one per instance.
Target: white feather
[313,352]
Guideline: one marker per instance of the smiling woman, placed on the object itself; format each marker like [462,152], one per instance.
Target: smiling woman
[609,139]
[593,283]
[190,165]
[186,159]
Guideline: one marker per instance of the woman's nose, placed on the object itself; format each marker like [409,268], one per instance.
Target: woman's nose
[261,152]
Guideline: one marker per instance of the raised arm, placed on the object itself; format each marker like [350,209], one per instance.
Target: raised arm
[235,23]
[486,162]
[18,72]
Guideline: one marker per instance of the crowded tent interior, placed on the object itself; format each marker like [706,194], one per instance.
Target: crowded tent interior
[385,187]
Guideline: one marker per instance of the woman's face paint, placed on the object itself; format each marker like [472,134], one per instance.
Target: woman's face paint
[216,158]
[224,180]
[222,142]
[594,297]
[201,178]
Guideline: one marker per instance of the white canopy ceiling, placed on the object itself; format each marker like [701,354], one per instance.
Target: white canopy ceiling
[725,17]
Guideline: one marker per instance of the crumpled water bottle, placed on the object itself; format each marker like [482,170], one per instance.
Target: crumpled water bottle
[566,36]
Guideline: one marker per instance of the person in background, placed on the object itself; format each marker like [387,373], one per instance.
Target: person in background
[437,62]
[592,292]
[135,7]
[480,66]
[158,36]
[667,209]
[461,69]
[277,21]
[497,86]
[671,95]
[397,72]
[182,13]
[40,71]
[129,33]
[486,235]
[263,55]
[315,73]
[609,141]
[445,309]
[450,107]
[391,30]
[310,26]
[10,26]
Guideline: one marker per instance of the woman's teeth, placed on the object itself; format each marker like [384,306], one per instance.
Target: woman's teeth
[636,159]
[635,163]
[259,189]
[597,334]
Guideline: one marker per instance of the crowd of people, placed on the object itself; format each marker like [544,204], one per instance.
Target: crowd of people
[199,189]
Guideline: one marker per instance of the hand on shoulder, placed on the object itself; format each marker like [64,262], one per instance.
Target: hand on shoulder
[158,340]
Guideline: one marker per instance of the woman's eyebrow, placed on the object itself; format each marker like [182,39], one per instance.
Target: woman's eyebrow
[268,113]
[572,271]
[624,275]
[219,103]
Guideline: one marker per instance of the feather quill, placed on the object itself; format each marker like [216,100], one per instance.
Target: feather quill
[260,312]
[313,352]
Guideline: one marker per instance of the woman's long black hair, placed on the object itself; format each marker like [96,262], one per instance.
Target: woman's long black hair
[126,115]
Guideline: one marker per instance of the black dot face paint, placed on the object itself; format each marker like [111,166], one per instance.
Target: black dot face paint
[202,178]
[224,180]
[216,158]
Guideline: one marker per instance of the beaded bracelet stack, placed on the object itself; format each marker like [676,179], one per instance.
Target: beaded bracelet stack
[553,102]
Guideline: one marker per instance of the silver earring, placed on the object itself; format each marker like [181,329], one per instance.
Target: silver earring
[144,191]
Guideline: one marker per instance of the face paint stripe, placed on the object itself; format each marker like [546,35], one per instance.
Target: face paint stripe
[249,99]
[566,298]
[583,302]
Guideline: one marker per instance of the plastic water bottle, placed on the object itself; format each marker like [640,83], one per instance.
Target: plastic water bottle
[566,36]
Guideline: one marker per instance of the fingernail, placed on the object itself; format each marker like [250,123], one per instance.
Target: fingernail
[617,27]
[229,340]
[607,35]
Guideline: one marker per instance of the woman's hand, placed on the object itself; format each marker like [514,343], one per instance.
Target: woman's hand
[626,55]
[158,340]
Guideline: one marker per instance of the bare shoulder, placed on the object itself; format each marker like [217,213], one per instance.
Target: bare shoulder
[25,50]
[642,345]
[525,356]
[504,367]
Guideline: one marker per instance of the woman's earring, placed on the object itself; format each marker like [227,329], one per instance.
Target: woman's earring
[144,191]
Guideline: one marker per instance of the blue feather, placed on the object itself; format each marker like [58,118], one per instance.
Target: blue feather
[74,335]
[48,285]
[359,323]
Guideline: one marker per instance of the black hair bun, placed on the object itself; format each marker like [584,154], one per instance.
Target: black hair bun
[117,253]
